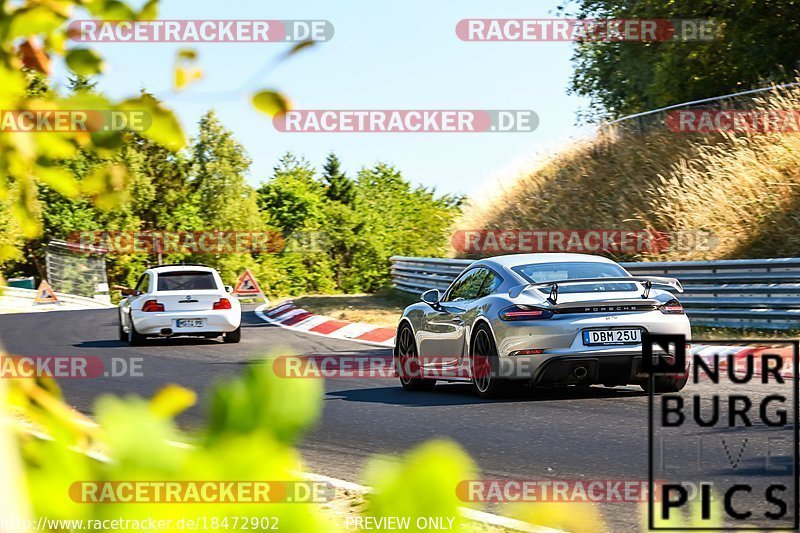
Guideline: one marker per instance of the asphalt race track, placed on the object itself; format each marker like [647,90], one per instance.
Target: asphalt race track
[597,433]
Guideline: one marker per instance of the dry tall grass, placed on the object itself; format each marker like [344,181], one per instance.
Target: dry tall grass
[744,188]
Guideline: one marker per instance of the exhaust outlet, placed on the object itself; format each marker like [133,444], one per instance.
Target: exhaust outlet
[580,372]
[166,332]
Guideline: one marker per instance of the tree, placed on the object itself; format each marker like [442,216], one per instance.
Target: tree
[164,199]
[340,187]
[397,219]
[755,43]
[218,179]
[293,199]
[340,214]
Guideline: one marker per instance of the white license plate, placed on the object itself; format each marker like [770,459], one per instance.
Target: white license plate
[190,323]
[612,336]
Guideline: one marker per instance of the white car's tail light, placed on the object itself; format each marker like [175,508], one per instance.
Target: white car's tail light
[524,312]
[222,303]
[672,307]
[151,306]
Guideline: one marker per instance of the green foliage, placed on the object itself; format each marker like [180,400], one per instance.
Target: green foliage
[84,61]
[218,173]
[355,225]
[55,184]
[271,102]
[397,219]
[260,400]
[339,231]
[340,188]
[422,484]
[32,35]
[293,198]
[755,43]
[250,442]
[254,422]
[11,240]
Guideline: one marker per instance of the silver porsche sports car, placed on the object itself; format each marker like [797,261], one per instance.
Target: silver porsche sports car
[541,319]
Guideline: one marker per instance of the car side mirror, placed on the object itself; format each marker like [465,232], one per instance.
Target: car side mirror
[431,297]
[228,289]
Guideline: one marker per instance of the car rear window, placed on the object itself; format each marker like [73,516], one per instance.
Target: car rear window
[545,272]
[186,281]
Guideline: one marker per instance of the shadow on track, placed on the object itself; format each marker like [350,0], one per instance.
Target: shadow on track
[154,341]
[251,320]
[462,394]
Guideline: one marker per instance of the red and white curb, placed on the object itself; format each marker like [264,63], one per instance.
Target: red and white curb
[739,354]
[286,315]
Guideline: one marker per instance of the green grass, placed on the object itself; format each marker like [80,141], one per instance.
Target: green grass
[711,333]
[382,308]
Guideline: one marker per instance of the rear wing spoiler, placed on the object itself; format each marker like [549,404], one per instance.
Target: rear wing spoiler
[647,281]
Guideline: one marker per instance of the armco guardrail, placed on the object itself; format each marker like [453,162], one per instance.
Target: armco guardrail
[641,122]
[753,293]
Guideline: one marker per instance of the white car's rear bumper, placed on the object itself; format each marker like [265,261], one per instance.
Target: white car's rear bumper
[222,321]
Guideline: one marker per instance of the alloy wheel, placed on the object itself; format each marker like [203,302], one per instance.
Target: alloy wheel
[481,364]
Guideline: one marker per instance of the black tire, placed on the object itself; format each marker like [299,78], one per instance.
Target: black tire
[666,383]
[134,338]
[234,336]
[406,358]
[123,337]
[485,365]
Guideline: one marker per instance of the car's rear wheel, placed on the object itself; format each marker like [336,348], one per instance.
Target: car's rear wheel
[134,338]
[233,336]
[407,362]
[484,365]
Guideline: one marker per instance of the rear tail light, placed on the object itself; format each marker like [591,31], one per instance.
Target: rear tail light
[524,312]
[222,303]
[151,306]
[672,307]
[535,351]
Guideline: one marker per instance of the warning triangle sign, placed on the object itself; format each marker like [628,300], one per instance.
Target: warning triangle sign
[247,287]
[247,284]
[45,294]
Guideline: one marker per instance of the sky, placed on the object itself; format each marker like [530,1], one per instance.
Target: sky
[384,55]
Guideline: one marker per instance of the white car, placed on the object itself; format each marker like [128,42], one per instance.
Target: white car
[179,300]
